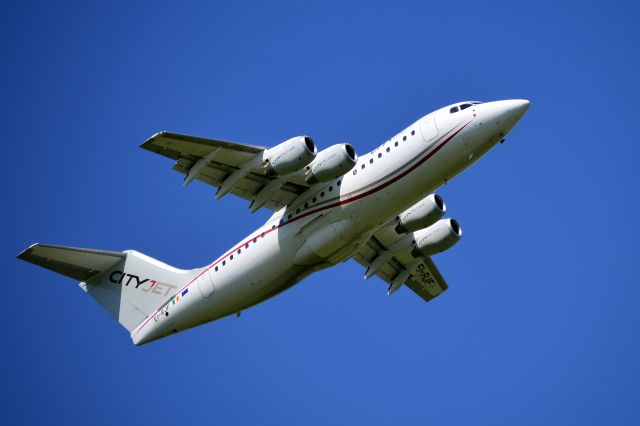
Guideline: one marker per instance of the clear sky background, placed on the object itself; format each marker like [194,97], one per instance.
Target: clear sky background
[541,323]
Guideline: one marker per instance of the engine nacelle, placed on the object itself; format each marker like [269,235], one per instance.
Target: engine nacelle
[437,238]
[331,163]
[289,156]
[424,213]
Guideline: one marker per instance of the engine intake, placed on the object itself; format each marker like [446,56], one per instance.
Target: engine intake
[437,238]
[289,156]
[424,213]
[331,163]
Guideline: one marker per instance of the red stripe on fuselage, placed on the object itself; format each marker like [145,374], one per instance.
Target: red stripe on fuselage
[330,206]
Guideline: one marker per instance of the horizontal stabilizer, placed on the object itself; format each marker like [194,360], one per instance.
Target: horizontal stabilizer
[80,264]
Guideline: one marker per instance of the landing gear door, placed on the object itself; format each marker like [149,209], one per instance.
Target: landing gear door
[429,129]
[206,287]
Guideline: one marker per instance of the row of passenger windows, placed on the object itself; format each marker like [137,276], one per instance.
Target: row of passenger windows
[246,246]
[388,149]
[313,200]
[355,171]
[306,205]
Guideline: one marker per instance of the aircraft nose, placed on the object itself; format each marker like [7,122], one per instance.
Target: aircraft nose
[508,112]
[517,107]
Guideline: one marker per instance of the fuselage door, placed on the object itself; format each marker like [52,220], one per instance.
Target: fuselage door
[428,128]
[205,284]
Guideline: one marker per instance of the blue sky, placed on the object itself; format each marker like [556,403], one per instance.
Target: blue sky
[540,325]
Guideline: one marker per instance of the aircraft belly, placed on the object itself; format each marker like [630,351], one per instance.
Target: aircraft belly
[325,241]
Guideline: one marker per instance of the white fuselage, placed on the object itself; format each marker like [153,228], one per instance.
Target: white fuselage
[327,224]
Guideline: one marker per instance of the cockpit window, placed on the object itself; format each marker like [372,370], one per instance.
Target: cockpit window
[463,106]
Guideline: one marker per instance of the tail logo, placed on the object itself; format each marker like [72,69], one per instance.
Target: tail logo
[124,279]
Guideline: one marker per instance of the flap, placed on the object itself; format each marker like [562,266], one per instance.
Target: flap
[422,275]
[213,161]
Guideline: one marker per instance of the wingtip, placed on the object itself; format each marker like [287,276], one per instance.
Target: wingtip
[25,251]
[157,134]
[154,136]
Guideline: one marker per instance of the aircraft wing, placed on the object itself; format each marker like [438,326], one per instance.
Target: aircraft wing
[397,268]
[222,164]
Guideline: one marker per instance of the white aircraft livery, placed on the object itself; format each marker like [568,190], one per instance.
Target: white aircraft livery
[329,206]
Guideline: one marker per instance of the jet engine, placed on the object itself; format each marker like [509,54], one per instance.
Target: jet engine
[289,156]
[331,163]
[437,238]
[424,213]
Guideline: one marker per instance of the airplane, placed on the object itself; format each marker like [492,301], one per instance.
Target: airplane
[329,206]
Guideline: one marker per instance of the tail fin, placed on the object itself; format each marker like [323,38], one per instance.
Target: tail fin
[128,285]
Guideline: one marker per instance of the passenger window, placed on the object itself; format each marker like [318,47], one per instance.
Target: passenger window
[454,109]
[231,257]
[314,199]
[246,246]
[273,228]
[388,149]
[371,161]
[362,167]
[216,269]
[379,155]
[413,132]
[355,172]
[224,262]
[239,251]
[330,188]
[263,235]
[322,194]
[404,138]
[339,182]
[396,143]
